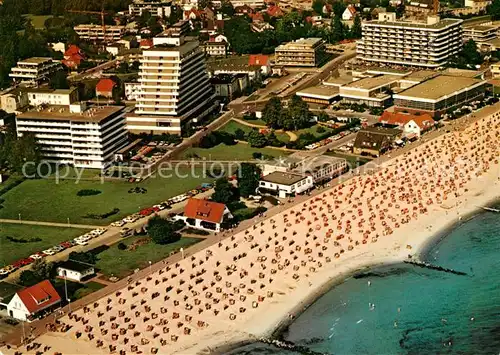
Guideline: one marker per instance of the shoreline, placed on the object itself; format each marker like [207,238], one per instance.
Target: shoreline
[422,253]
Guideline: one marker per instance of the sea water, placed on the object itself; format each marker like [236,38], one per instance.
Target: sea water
[404,309]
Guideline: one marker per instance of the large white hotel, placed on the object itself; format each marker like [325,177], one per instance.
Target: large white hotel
[420,44]
[76,135]
[174,87]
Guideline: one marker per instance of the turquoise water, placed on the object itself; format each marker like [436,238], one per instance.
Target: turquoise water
[417,311]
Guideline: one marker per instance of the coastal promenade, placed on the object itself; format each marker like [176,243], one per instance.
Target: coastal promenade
[246,285]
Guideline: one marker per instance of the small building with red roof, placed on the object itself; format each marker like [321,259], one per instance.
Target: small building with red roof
[204,214]
[146,43]
[32,302]
[193,14]
[349,13]
[105,87]
[411,124]
[73,56]
[275,11]
[260,60]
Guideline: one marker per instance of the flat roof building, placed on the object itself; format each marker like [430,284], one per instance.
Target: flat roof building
[439,94]
[373,92]
[320,94]
[33,71]
[160,8]
[76,135]
[309,52]
[481,34]
[285,184]
[421,44]
[98,33]
[174,88]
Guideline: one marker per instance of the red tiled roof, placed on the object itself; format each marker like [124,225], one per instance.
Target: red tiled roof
[197,13]
[146,43]
[72,50]
[274,11]
[424,121]
[105,85]
[39,296]
[258,59]
[351,9]
[205,210]
[257,17]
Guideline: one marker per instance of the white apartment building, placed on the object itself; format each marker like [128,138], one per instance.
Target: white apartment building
[34,70]
[98,33]
[160,8]
[47,96]
[75,135]
[308,52]
[251,3]
[174,88]
[480,34]
[285,184]
[420,44]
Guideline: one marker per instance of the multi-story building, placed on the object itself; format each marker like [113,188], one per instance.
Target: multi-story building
[477,5]
[174,88]
[99,33]
[76,135]
[373,92]
[495,70]
[420,9]
[216,49]
[160,8]
[480,34]
[307,52]
[33,71]
[47,96]
[419,44]
[251,3]
[439,94]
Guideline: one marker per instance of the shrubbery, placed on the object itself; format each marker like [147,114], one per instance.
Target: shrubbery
[122,246]
[22,240]
[102,216]
[88,192]
[215,138]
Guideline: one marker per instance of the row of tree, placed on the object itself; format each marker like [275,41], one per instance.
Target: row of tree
[295,116]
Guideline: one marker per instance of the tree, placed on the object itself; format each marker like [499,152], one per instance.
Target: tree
[467,58]
[59,80]
[239,134]
[248,179]
[223,191]
[227,8]
[323,117]
[317,6]
[163,231]
[28,278]
[272,112]
[355,31]
[494,9]
[256,139]
[337,29]
[299,114]
[83,257]
[20,151]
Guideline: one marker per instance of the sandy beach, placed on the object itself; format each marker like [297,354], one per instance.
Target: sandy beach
[246,286]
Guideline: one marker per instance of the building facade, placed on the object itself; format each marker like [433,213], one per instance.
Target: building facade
[421,44]
[47,96]
[285,184]
[174,88]
[75,270]
[33,71]
[75,135]
[32,302]
[98,33]
[160,8]
[308,52]
[480,34]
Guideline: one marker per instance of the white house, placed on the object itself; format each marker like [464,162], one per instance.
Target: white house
[412,125]
[30,303]
[204,214]
[75,270]
[349,13]
[47,96]
[285,184]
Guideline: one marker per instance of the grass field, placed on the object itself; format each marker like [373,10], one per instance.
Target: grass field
[38,21]
[121,263]
[50,236]
[8,289]
[238,151]
[46,200]
[232,126]
[76,290]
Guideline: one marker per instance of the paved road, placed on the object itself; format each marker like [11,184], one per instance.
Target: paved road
[49,224]
[94,70]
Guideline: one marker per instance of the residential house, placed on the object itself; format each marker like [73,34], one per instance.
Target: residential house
[73,57]
[412,125]
[285,184]
[216,49]
[378,10]
[193,14]
[261,26]
[146,43]
[204,214]
[275,11]
[349,13]
[13,99]
[374,141]
[243,10]
[257,17]
[30,303]
[262,61]
[105,88]
[75,270]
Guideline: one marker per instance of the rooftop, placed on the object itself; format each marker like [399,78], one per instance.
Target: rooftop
[480,28]
[320,91]
[283,178]
[39,296]
[438,87]
[338,80]
[421,75]
[93,114]
[372,83]
[35,60]
[209,211]
[315,163]
[186,47]
[463,72]
[48,90]
[75,265]
[303,42]
[443,23]
[381,131]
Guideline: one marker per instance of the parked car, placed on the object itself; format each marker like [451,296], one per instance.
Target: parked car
[118,223]
[57,248]
[81,242]
[3,272]
[49,252]
[38,255]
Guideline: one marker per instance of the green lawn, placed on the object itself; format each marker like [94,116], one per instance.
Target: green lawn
[47,200]
[38,21]
[121,263]
[313,130]
[7,290]
[50,236]
[238,151]
[87,289]
[75,290]
[232,126]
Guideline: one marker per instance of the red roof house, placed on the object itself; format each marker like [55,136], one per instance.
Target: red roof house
[193,14]
[275,11]
[73,56]
[205,214]
[349,13]
[105,87]
[409,123]
[146,43]
[29,302]
[257,17]
[260,60]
